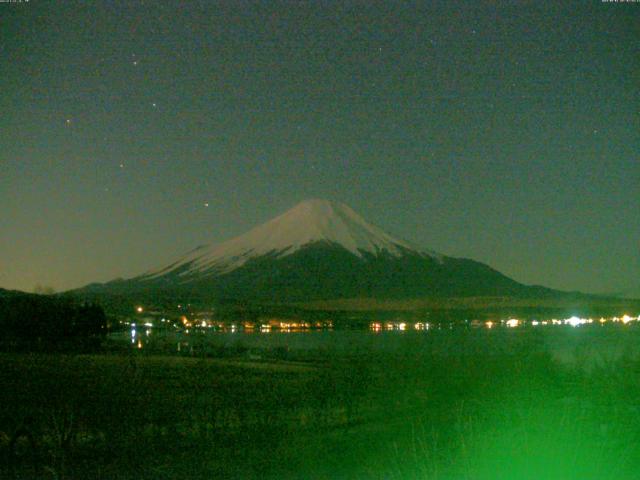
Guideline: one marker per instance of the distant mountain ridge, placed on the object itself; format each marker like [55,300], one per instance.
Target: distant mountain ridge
[319,249]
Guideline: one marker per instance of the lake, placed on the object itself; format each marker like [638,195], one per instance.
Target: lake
[570,340]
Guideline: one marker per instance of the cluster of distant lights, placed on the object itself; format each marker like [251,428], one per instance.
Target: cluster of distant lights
[402,326]
[187,324]
[508,323]
[289,326]
[572,321]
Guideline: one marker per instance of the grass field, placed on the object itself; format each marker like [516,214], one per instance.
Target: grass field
[350,416]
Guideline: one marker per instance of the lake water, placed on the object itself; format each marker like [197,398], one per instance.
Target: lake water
[587,344]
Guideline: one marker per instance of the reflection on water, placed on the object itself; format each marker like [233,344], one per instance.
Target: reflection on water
[278,338]
[280,326]
[398,326]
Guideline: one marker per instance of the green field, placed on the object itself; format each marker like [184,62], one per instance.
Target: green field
[383,416]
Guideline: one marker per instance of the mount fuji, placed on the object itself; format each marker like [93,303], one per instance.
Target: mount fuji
[318,250]
[312,222]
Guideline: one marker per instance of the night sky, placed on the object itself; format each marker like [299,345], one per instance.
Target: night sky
[131,132]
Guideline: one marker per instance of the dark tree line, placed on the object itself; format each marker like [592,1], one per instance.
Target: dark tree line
[49,320]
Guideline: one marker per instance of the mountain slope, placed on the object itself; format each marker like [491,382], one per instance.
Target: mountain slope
[317,250]
[307,223]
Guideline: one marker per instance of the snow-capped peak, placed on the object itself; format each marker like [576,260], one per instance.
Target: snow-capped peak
[308,222]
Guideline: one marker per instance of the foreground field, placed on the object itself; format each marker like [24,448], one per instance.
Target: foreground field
[383,416]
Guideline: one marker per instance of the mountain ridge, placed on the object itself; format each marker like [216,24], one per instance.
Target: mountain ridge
[311,221]
[319,249]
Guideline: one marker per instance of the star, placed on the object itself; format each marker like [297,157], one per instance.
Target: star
[68,121]
[154,105]
[122,165]
[135,63]
[206,204]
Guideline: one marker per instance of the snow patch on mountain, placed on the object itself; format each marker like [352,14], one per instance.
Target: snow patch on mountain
[308,222]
